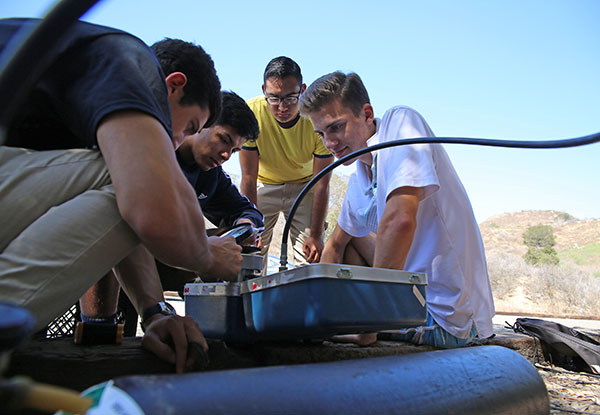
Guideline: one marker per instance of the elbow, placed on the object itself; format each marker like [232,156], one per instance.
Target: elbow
[149,223]
[404,224]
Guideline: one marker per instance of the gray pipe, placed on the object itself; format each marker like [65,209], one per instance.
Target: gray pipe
[475,380]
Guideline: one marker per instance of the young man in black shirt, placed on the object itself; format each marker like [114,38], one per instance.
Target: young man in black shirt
[116,195]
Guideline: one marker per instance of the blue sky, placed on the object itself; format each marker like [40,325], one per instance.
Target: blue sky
[493,69]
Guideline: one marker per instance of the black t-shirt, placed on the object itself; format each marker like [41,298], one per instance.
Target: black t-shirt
[96,70]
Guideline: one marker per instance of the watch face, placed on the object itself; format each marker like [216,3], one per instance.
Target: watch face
[167,308]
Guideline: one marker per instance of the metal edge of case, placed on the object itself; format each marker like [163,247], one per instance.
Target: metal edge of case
[229,289]
[332,271]
[252,261]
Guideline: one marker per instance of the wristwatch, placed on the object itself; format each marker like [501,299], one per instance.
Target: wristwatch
[161,307]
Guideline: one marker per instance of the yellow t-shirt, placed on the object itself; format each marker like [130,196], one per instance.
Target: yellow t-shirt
[285,154]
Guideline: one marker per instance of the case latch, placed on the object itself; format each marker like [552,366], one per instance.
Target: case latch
[415,279]
[344,273]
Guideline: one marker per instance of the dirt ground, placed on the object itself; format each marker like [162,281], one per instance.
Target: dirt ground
[571,392]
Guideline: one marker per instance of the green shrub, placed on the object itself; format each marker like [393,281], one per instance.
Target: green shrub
[540,240]
[539,236]
[566,217]
[541,256]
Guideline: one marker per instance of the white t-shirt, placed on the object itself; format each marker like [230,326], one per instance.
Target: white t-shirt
[447,244]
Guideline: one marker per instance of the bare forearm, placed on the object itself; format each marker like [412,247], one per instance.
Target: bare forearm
[248,189]
[249,160]
[185,246]
[396,228]
[321,196]
[319,207]
[333,253]
[153,196]
[392,245]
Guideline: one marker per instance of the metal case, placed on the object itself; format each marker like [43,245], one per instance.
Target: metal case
[321,300]
[217,308]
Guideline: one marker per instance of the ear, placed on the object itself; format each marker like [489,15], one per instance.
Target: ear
[175,81]
[263,89]
[302,88]
[368,113]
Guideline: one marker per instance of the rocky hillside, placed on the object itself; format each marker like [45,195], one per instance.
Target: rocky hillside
[504,233]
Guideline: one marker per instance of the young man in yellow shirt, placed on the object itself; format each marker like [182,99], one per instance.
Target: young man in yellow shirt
[286,156]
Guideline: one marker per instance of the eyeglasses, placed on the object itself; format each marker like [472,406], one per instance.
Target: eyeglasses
[289,100]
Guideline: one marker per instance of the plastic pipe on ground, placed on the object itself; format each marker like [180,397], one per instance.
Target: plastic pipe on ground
[475,380]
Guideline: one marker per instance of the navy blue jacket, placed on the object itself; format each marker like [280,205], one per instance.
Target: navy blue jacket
[219,198]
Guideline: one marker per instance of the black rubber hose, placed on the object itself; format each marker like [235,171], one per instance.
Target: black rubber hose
[569,142]
[27,55]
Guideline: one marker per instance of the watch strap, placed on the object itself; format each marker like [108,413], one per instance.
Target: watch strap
[161,307]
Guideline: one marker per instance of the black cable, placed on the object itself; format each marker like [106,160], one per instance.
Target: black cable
[569,142]
[27,55]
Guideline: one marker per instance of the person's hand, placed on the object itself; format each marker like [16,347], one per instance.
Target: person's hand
[163,331]
[251,240]
[227,258]
[312,249]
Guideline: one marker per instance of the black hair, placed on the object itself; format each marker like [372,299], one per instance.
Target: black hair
[203,86]
[238,115]
[349,89]
[282,67]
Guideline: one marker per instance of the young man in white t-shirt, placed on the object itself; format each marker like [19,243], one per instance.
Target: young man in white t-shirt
[405,208]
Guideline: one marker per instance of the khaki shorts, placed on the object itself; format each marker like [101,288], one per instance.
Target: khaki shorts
[60,228]
[274,199]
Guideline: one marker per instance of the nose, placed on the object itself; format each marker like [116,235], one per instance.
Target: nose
[329,141]
[225,155]
[177,140]
[282,104]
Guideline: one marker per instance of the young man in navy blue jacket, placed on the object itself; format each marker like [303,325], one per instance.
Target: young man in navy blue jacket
[201,155]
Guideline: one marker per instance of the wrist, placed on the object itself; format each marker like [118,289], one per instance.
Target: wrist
[316,234]
[206,261]
[158,310]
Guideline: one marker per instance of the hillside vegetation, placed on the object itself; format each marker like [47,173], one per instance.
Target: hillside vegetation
[571,287]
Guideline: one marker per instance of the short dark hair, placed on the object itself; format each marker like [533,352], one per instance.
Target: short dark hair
[282,67]
[203,86]
[238,115]
[349,89]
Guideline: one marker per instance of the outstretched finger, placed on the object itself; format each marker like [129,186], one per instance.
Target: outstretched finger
[193,332]
[180,342]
